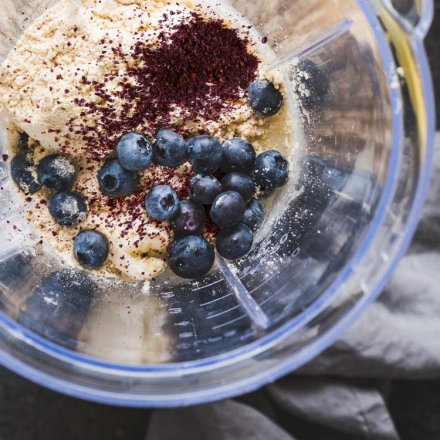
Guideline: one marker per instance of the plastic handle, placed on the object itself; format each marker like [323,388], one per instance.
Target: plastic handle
[426,16]
[414,16]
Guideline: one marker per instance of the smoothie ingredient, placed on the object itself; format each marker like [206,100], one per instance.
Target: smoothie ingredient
[56,172]
[91,249]
[135,152]
[235,243]
[190,220]
[24,173]
[271,169]
[205,154]
[115,180]
[264,98]
[191,257]
[162,203]
[238,155]
[205,189]
[228,209]
[239,182]
[170,149]
[254,214]
[68,208]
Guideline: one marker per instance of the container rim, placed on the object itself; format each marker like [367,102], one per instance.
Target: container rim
[292,362]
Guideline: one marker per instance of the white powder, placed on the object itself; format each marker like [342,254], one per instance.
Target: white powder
[63,166]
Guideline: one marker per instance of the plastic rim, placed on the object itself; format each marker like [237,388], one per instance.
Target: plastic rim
[290,363]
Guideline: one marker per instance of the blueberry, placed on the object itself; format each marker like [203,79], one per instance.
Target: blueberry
[91,249]
[205,189]
[235,243]
[271,169]
[239,182]
[264,98]
[312,84]
[59,306]
[68,208]
[73,286]
[204,154]
[56,172]
[162,203]
[115,180]
[135,152]
[238,155]
[228,209]
[190,220]
[170,149]
[254,214]
[15,270]
[24,173]
[191,257]
[23,142]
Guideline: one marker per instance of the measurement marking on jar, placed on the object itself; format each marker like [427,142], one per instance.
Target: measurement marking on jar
[223,312]
[182,324]
[263,283]
[229,322]
[207,285]
[215,300]
[167,295]
[273,295]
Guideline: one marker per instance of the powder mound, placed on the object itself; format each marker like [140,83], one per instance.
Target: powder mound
[197,69]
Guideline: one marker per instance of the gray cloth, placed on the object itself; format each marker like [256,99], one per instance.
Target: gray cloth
[346,387]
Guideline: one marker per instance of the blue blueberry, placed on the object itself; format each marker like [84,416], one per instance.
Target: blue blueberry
[56,172]
[135,152]
[238,155]
[115,180]
[271,169]
[170,149]
[312,84]
[190,220]
[205,189]
[239,182]
[68,208]
[204,154]
[15,270]
[235,243]
[72,287]
[23,142]
[24,173]
[91,249]
[228,209]
[59,306]
[162,203]
[254,215]
[264,98]
[191,257]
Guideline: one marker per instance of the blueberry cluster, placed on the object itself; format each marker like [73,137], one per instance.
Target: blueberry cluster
[231,202]
[57,173]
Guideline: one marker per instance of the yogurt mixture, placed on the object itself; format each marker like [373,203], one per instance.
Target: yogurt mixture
[87,72]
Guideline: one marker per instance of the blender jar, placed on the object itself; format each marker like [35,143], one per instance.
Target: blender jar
[359,82]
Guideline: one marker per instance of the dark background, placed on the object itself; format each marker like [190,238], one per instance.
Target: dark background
[28,411]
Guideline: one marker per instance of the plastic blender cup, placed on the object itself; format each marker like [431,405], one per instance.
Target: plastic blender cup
[358,75]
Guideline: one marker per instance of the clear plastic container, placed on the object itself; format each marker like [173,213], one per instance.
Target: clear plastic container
[341,226]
